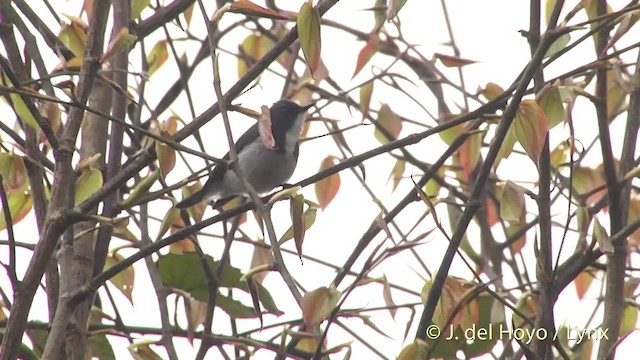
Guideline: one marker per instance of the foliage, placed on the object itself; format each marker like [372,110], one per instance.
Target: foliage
[501,205]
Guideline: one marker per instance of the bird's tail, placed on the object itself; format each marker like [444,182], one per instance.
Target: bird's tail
[197,197]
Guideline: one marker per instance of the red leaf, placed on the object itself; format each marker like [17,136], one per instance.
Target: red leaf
[246,7]
[327,188]
[367,52]
[264,128]
[453,61]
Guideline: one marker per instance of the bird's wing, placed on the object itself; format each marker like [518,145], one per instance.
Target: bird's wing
[245,139]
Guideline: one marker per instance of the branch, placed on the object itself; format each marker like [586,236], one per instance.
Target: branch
[618,207]
[501,131]
[58,218]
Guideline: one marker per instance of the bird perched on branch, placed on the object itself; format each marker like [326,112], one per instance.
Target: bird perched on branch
[267,155]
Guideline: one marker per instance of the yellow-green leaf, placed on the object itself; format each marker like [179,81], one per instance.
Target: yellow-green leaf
[602,237]
[629,320]
[122,41]
[170,218]
[188,14]
[560,154]
[583,218]
[531,127]
[309,219]
[558,45]
[88,162]
[318,304]
[616,95]
[14,173]
[19,205]
[89,181]
[586,180]
[527,304]
[136,8]
[308,22]
[507,147]
[491,91]
[74,36]
[548,9]
[512,206]
[20,107]
[432,187]
[366,91]
[390,121]
[157,56]
[414,351]
[396,173]
[379,13]
[551,103]
[166,158]
[125,279]
[140,189]
[297,221]
[196,211]
[141,349]
[394,8]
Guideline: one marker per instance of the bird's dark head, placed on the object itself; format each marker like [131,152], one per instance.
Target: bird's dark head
[287,116]
[284,113]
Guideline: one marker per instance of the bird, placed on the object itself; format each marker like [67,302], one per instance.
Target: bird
[265,167]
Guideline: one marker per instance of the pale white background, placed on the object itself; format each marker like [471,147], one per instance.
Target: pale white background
[485,31]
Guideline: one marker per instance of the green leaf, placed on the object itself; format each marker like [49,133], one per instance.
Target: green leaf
[125,279]
[309,219]
[297,221]
[89,181]
[14,173]
[136,8]
[185,272]
[20,107]
[121,42]
[141,189]
[506,147]
[100,346]
[558,45]
[19,206]
[308,22]
[390,121]
[531,127]
[551,103]
[366,91]
[157,56]
[394,8]
[512,205]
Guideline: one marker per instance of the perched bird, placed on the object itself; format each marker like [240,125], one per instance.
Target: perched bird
[263,166]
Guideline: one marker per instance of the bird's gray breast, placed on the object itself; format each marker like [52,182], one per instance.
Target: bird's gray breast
[265,169]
